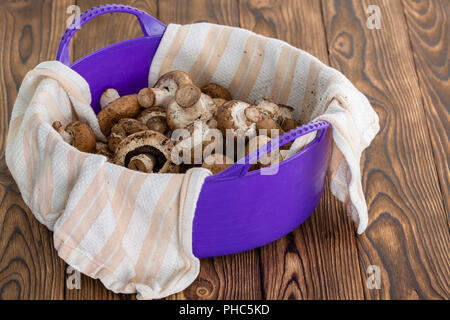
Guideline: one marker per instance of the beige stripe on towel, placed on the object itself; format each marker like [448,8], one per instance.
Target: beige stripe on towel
[173,51]
[155,224]
[214,58]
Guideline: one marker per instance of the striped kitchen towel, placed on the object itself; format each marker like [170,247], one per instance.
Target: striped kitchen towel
[253,67]
[131,230]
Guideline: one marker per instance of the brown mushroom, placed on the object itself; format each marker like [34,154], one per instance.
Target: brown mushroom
[179,85]
[102,148]
[286,112]
[268,159]
[239,117]
[284,154]
[277,112]
[219,102]
[179,116]
[124,107]
[122,129]
[154,97]
[117,134]
[149,143]
[289,124]
[212,123]
[108,96]
[271,127]
[217,163]
[65,135]
[131,126]
[142,162]
[215,91]
[202,141]
[82,135]
[155,118]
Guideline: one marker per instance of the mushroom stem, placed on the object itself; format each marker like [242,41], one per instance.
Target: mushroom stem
[65,135]
[142,162]
[154,97]
[82,135]
[147,142]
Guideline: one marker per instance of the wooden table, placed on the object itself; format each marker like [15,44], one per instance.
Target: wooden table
[403,67]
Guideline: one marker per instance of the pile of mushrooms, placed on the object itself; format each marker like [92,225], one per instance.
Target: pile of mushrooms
[139,128]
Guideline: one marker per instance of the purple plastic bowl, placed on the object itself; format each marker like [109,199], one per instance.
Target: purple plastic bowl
[237,210]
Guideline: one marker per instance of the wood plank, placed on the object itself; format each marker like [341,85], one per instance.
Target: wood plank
[109,28]
[428,26]
[319,260]
[234,276]
[408,234]
[29,266]
[193,11]
[96,34]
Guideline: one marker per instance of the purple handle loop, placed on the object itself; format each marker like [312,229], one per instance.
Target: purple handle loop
[150,26]
[282,140]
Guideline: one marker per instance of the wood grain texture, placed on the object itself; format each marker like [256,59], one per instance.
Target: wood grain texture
[109,28]
[235,276]
[29,266]
[403,68]
[408,236]
[319,260]
[428,25]
[192,11]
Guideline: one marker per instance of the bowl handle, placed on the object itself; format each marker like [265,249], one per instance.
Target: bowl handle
[242,166]
[150,26]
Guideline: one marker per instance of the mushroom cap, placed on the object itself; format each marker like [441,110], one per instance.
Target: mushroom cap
[152,112]
[146,97]
[289,124]
[83,136]
[238,116]
[57,125]
[286,112]
[158,124]
[108,96]
[172,80]
[155,118]
[202,139]
[131,126]
[124,107]
[216,91]
[219,102]
[117,134]
[101,148]
[275,111]
[266,123]
[187,95]
[180,117]
[217,163]
[147,142]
